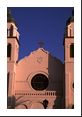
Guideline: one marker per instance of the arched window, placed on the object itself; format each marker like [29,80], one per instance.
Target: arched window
[7,82]
[72,106]
[9,50]
[73,85]
[11,31]
[7,32]
[72,50]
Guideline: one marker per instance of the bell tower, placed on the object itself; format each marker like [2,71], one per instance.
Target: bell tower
[69,62]
[12,52]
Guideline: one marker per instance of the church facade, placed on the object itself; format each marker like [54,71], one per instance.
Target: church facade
[39,80]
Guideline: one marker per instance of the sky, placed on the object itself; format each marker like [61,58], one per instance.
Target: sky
[45,24]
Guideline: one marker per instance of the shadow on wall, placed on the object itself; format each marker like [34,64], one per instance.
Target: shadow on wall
[56,81]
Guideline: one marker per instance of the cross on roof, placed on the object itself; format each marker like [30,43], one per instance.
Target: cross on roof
[41,44]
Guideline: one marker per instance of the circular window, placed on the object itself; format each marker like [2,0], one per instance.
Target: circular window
[39,82]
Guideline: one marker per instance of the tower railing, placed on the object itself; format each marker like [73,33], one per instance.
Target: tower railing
[35,93]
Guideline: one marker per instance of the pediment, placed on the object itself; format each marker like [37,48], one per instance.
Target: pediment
[39,54]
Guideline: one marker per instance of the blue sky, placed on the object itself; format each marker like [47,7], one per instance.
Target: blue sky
[45,24]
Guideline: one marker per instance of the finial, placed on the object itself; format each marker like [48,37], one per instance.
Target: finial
[73,12]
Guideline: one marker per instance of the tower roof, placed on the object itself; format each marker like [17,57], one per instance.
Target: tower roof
[9,16]
[70,19]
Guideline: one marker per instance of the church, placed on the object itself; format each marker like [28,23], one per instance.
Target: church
[39,80]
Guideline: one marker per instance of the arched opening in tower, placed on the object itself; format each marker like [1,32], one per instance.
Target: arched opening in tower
[9,50]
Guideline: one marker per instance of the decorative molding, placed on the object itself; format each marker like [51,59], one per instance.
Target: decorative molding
[39,59]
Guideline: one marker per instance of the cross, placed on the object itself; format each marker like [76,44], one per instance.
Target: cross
[41,44]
